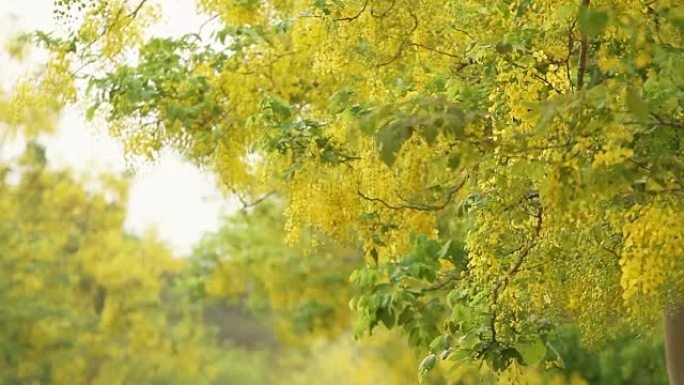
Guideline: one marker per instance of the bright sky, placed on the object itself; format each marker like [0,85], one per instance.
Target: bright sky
[171,195]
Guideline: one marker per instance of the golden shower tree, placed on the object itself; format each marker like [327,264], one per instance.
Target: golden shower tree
[504,165]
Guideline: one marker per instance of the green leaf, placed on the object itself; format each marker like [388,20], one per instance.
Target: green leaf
[426,365]
[444,252]
[522,6]
[503,47]
[453,251]
[429,133]
[370,121]
[455,122]
[502,358]
[454,161]
[278,106]
[90,112]
[221,35]
[532,352]
[592,22]
[441,343]
[390,138]
[405,317]
[636,105]
[386,317]
[339,100]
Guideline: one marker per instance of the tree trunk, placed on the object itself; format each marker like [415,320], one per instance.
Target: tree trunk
[674,346]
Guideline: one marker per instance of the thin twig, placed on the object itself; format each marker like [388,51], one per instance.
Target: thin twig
[137,9]
[403,44]
[385,12]
[440,284]
[503,282]
[571,48]
[583,53]
[410,206]
[351,18]
[204,24]
[536,76]
[246,204]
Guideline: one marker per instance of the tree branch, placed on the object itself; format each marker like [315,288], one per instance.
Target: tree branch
[247,204]
[583,53]
[352,18]
[439,285]
[385,12]
[410,206]
[571,48]
[503,282]
[403,44]
[137,9]
[536,76]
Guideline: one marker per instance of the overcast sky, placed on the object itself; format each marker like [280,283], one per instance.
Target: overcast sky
[171,195]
